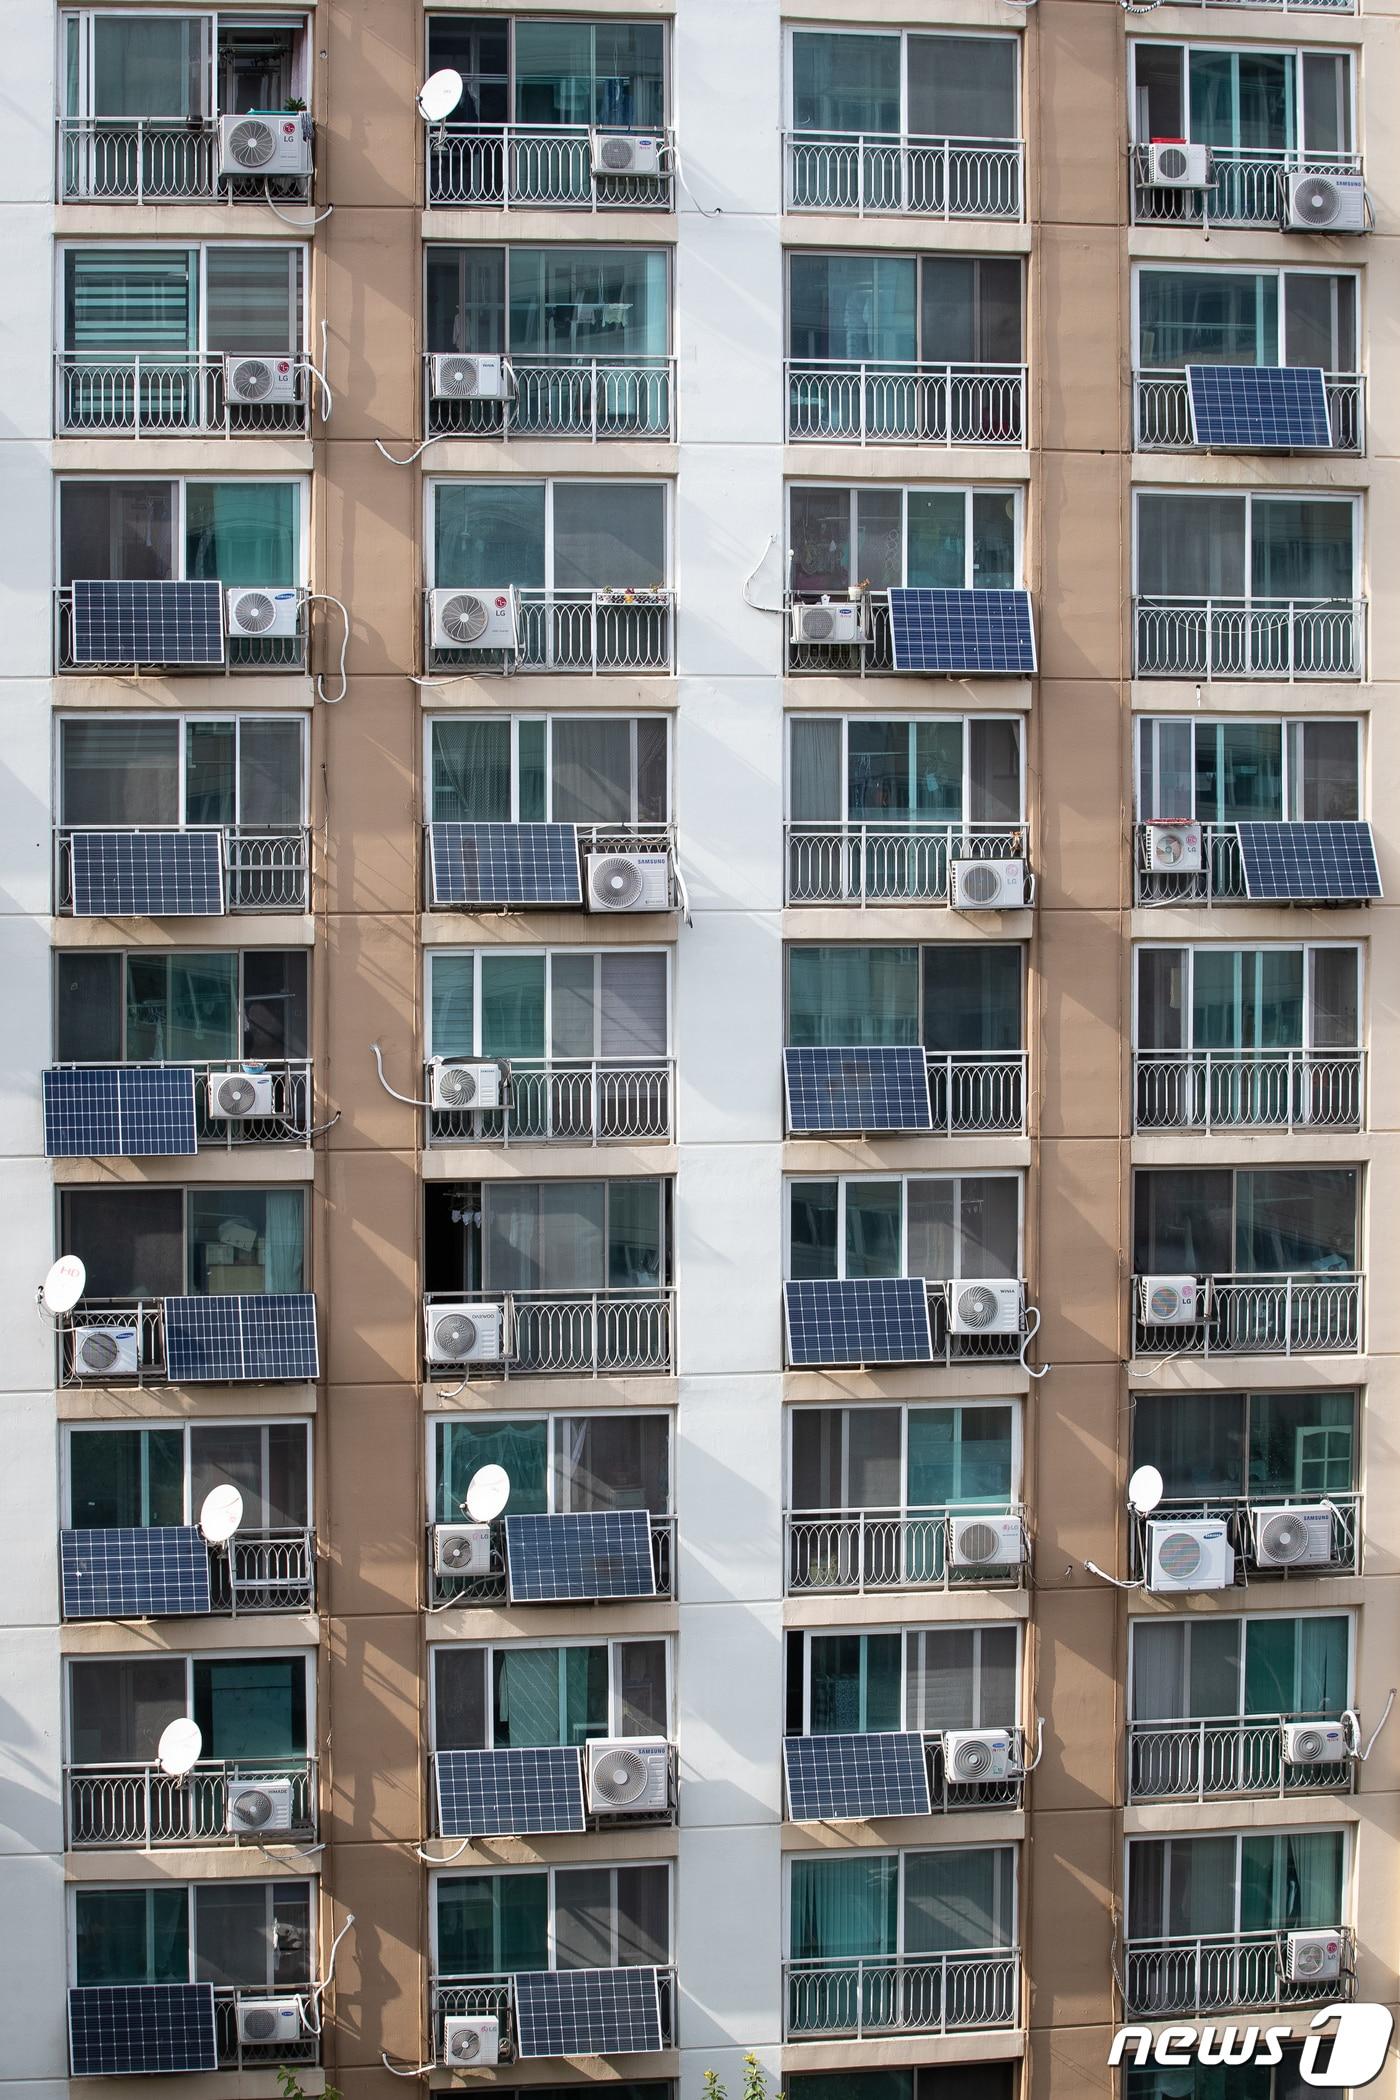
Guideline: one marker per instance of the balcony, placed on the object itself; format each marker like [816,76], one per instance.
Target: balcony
[905,862]
[161,2031]
[899,403]
[582,397]
[1220,879]
[1210,1090]
[288,1121]
[1241,1516]
[493,1997]
[262,871]
[510,166]
[589,1334]
[1206,1760]
[494,1587]
[871,173]
[569,1101]
[861,1551]
[1300,1313]
[156,160]
[909,1994]
[450,887]
[1162,412]
[516,1772]
[969,1092]
[242,652]
[140,1805]
[865,1329]
[153,395]
[620,630]
[1278,638]
[261,1571]
[1210,1972]
[141,1360]
[1246,188]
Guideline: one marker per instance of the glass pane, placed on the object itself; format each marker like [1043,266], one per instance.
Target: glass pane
[814,761]
[606,1462]
[632,1017]
[1301,549]
[143,66]
[125,1477]
[117,1708]
[459,1698]
[118,302]
[962,87]
[972,999]
[253,300]
[115,529]
[938,539]
[1183,1223]
[246,1240]
[197,1019]
[251,1707]
[1296,1220]
[1195,1440]
[933,1236]
[1327,783]
[119,772]
[87,1007]
[242,532]
[131,1935]
[844,83]
[643,1916]
[993,541]
[1326,101]
[849,307]
[488,1924]
[854,1682]
[488,534]
[275,1003]
[463,1447]
[1302,1443]
[989,1226]
[1319,320]
[1190,546]
[1239,772]
[585,1916]
[590,73]
[843,1907]
[994,771]
[544,1236]
[1161,999]
[853,996]
[1334,1004]
[270,772]
[1292,1880]
[585,302]
[878,782]
[470,763]
[812,1212]
[820,526]
[591,771]
[466,294]
[512,1005]
[1209,317]
[938,772]
[635,1250]
[874,1214]
[959,1900]
[479,49]
[131,1241]
[641,1688]
[608,534]
[879,538]
[267,1465]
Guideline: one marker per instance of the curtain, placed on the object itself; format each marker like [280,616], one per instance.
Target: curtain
[958,1454]
[844,1907]
[488,534]
[591,770]
[240,532]
[143,66]
[963,87]
[1291,1880]
[117,530]
[853,996]
[856,1683]
[512,1006]
[994,770]
[1325,764]
[814,762]
[270,753]
[609,533]
[845,83]
[253,300]
[544,1235]
[1186,1671]
[470,765]
[284,1240]
[1295,1665]
[959,1900]
[632,1018]
[463,1447]
[118,301]
[120,772]
[1210,317]
[1191,546]
[962,1677]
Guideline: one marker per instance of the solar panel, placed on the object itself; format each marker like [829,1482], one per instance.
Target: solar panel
[158,1571]
[147,623]
[264,1335]
[857,1089]
[1309,862]
[588,2012]
[508,1793]
[1266,408]
[502,864]
[606,1553]
[139,1113]
[114,2027]
[864,1320]
[834,1778]
[147,874]
[962,631]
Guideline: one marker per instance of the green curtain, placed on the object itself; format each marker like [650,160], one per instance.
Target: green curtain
[959,1900]
[857,1682]
[493,1924]
[512,1006]
[1295,1665]
[844,1907]
[470,767]
[1291,1880]
[521,1448]
[285,1265]
[239,533]
[958,1454]
[548,1697]
[846,996]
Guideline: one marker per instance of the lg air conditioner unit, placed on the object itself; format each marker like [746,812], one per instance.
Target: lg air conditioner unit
[1326,204]
[1189,1555]
[266,2022]
[1173,165]
[1172,1301]
[985,1306]
[274,143]
[462,1549]
[461,377]
[464,1334]
[254,615]
[257,1805]
[1174,849]
[988,885]
[630,1776]
[476,619]
[1287,1537]
[1313,1742]
[251,380]
[976,1756]
[628,881]
[106,1352]
[987,1542]
[233,1097]
[470,2044]
[1313,1957]
[638,154]
[462,1086]
[831,624]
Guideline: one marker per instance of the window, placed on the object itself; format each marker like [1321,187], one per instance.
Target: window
[955,998]
[906,309]
[230,532]
[1222,1886]
[559,1236]
[1242,545]
[1252,101]
[1282,2081]
[1247,317]
[560,769]
[555,1918]
[1248,1000]
[568,1463]
[1213,1668]
[867,770]
[249,1708]
[1241,771]
[1260,1222]
[180,66]
[551,536]
[161,1242]
[557,304]
[905,1459]
[940,1227]
[125,1479]
[866,1683]
[255,1934]
[171,301]
[952,539]
[1260,1446]
[926,2082]
[924,87]
[882,1906]
[553,72]
[248,771]
[151,1006]
[554,1008]
[523,1697]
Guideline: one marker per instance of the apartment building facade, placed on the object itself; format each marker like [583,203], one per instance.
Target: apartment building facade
[698,805]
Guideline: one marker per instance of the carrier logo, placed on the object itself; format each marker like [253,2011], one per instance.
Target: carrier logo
[1359,2037]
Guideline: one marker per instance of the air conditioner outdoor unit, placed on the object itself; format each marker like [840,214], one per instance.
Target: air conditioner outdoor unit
[476,619]
[832,624]
[274,142]
[464,1334]
[461,377]
[106,1352]
[976,1756]
[1174,849]
[628,881]
[985,1306]
[987,1542]
[256,379]
[255,614]
[1172,1301]
[470,2043]
[988,885]
[462,1549]
[1289,1537]
[1314,1957]
[1326,204]
[1313,1742]
[234,1096]
[463,1086]
[630,1776]
[1173,165]
[626,153]
[1189,1555]
[257,1805]
[270,2020]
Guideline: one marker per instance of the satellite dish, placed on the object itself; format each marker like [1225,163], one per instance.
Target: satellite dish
[64,1285]
[1145,1490]
[439,95]
[488,1492]
[220,1515]
[179,1747]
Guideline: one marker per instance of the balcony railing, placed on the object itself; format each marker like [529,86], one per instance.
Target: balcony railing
[1208,1972]
[1162,412]
[493,1997]
[595,1818]
[874,173]
[569,1101]
[902,403]
[153,395]
[1240,1515]
[909,1994]
[1281,638]
[575,631]
[290,1119]
[510,165]
[494,1587]
[236,2055]
[155,160]
[258,1571]
[261,652]
[263,870]
[1213,1090]
[583,1333]
[1201,1760]
[906,861]
[583,397]
[140,1805]
[1301,1313]
[1247,188]
[863,1550]
[590,838]
[970,1091]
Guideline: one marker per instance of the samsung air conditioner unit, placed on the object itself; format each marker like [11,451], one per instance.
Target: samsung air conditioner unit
[252,380]
[988,885]
[987,1542]
[233,1097]
[1326,204]
[470,2045]
[1313,1743]
[262,613]
[985,1306]
[830,624]
[464,1334]
[271,143]
[253,1806]
[1189,1555]
[1313,1957]
[630,1776]
[471,377]
[976,1756]
[463,1086]
[1287,1537]
[628,881]
[1172,1301]
[639,154]
[267,2022]
[1174,849]
[1173,165]
[476,619]
[106,1352]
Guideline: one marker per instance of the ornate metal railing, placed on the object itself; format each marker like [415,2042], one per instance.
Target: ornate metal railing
[1295,1314]
[909,1994]
[493,1997]
[1262,1090]
[155,160]
[140,1805]
[494,1587]
[1240,1515]
[236,2055]
[1207,1972]
[587,1333]
[899,403]
[1284,638]
[509,165]
[287,1123]
[569,1101]
[873,172]
[862,1550]
[154,394]
[258,1571]
[263,870]
[1199,1760]
[261,652]
[1162,409]
[575,631]
[1246,188]
[903,862]
[584,397]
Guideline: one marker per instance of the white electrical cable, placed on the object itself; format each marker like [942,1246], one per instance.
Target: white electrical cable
[408,1100]
[1094,1569]
[402,2070]
[318,1990]
[747,584]
[333,699]
[327,397]
[715,211]
[1032,1313]
[1029,1764]
[380,446]
[1352,1716]
[430,1860]
[299,225]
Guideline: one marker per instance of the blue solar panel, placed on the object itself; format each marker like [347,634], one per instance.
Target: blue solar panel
[504,864]
[835,1778]
[588,2012]
[606,1553]
[857,1089]
[962,631]
[123,2027]
[1265,408]
[147,874]
[147,623]
[140,1113]
[865,1320]
[256,1336]
[509,1793]
[159,1571]
[1309,862]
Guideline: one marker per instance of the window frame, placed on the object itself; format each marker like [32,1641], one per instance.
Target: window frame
[65,1191]
[571,21]
[1150,727]
[179,486]
[961,32]
[551,1869]
[272,1886]
[1191,950]
[1294,53]
[613,1643]
[509,250]
[553,1442]
[305,1656]
[432,956]
[1356,1169]
[1185,1622]
[127,955]
[1245,1398]
[1280,272]
[910,722]
[917,257]
[901,1854]
[1236,1837]
[70,1430]
[854,490]
[919,947]
[215,18]
[549,719]
[905,1409]
[298,303]
[549,589]
[955,1178]
[1310,493]
[907,1636]
[184,723]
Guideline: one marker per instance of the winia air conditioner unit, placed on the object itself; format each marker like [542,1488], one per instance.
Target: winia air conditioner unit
[1326,204]
[460,377]
[1174,849]
[626,153]
[1314,1957]
[105,1352]
[1293,1538]
[1189,1556]
[829,625]
[463,1086]
[476,619]
[235,1096]
[470,2044]
[628,881]
[1172,1301]
[987,1542]
[462,1549]
[1313,1743]
[985,1307]
[988,885]
[464,1334]
[1173,165]
[275,143]
[976,1756]
[256,379]
[257,1805]
[268,2021]
[629,1777]
[255,614]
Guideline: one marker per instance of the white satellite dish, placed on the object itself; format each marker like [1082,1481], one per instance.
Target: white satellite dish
[179,1747]
[64,1285]
[1145,1490]
[488,1492]
[220,1515]
[439,95]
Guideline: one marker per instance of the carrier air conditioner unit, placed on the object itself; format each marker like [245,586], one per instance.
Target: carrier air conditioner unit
[464,1334]
[268,2021]
[1326,204]
[1314,1957]
[1288,1537]
[1173,165]
[262,613]
[1172,1301]
[234,1096]
[976,1756]
[1313,1742]
[462,1549]
[985,1306]
[630,1776]
[988,885]
[476,619]
[251,380]
[832,624]
[638,154]
[987,1542]
[460,377]
[274,144]
[106,1352]
[1174,849]
[258,1805]
[453,1085]
[628,881]
[1189,1555]
[470,2044]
